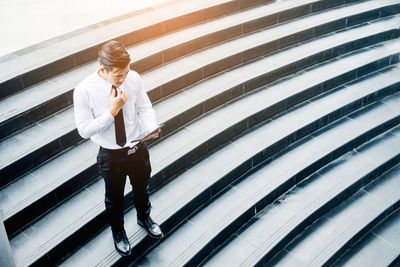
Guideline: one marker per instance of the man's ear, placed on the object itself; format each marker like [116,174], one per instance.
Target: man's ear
[102,69]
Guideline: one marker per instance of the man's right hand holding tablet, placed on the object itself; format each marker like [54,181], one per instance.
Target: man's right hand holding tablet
[153,135]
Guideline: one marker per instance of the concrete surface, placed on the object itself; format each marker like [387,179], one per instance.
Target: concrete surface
[24,22]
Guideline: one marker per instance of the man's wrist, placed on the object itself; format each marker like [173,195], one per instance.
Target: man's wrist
[113,112]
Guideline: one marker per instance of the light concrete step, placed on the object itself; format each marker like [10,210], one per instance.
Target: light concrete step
[334,232]
[295,210]
[380,247]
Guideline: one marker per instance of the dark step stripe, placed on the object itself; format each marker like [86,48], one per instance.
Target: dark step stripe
[234,53]
[44,197]
[33,159]
[345,223]
[272,13]
[380,247]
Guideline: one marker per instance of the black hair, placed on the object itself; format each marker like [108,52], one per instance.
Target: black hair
[113,54]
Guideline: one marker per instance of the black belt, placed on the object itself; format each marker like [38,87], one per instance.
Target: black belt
[123,151]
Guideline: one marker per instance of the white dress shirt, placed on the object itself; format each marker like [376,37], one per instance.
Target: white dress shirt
[92,101]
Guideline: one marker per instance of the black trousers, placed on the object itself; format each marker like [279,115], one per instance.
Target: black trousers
[114,166]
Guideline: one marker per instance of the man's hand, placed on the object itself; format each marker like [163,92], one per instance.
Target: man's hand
[118,100]
[153,135]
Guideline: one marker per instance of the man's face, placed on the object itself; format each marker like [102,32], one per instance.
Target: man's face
[115,76]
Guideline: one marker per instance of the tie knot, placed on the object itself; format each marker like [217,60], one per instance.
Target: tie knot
[114,88]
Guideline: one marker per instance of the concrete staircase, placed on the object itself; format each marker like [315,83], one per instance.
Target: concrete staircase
[282,123]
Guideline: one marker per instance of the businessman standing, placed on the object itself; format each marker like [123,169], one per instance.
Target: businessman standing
[112,108]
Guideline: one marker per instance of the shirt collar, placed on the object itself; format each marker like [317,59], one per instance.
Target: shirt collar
[107,86]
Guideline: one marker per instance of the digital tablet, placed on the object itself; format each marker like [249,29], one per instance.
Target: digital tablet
[147,133]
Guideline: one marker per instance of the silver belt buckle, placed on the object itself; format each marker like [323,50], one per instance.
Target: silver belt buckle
[133,150]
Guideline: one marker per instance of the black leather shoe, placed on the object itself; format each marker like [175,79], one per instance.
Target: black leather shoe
[121,243]
[151,227]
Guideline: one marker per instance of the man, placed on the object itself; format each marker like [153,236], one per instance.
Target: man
[112,109]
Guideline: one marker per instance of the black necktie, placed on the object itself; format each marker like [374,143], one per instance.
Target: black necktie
[120,135]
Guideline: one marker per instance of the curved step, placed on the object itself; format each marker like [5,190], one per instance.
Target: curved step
[172,77]
[201,233]
[169,47]
[381,246]
[76,48]
[343,225]
[169,211]
[35,145]
[48,185]
[280,97]
[309,200]
[181,73]
[206,95]
[185,151]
